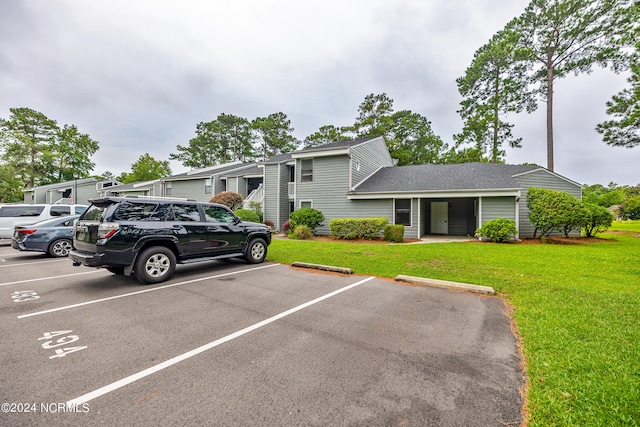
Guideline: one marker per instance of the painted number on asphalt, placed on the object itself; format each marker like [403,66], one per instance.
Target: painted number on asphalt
[58,343]
[22,296]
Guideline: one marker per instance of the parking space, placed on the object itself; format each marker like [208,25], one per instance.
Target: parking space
[229,343]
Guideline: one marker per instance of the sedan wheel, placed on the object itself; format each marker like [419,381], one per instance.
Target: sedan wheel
[60,248]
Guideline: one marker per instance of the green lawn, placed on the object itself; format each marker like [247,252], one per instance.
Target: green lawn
[576,308]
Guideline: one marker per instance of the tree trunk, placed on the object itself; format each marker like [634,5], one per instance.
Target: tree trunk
[550,116]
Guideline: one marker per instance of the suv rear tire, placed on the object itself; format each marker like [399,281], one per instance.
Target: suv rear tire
[155,264]
[256,251]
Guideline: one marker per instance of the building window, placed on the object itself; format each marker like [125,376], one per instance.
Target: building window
[306,170]
[207,186]
[167,188]
[306,204]
[403,212]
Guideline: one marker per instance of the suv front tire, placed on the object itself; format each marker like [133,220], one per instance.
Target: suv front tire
[256,251]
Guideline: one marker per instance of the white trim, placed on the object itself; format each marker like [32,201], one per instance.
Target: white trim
[320,153]
[368,176]
[435,194]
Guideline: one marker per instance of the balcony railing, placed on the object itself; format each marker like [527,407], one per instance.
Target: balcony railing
[292,190]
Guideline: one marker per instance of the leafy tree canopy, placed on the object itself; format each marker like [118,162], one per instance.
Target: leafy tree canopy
[146,168]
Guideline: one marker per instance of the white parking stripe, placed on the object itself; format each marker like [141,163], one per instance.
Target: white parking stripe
[48,278]
[34,262]
[144,291]
[135,377]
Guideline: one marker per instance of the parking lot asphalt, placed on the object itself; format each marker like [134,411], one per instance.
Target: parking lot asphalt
[227,343]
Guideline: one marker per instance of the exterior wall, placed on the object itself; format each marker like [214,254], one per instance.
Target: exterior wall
[541,179]
[271,203]
[367,158]
[328,193]
[497,207]
[190,189]
[232,184]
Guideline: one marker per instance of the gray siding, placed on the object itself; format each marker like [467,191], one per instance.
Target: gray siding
[270,202]
[328,192]
[541,179]
[367,158]
[191,189]
[498,207]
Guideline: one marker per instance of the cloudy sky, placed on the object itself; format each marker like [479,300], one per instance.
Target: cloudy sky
[137,76]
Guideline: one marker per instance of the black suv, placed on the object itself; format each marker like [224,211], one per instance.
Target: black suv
[149,236]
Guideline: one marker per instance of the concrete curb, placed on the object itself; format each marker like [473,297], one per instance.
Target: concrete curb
[446,285]
[323,267]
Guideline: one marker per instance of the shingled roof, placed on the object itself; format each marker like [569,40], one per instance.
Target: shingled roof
[451,177]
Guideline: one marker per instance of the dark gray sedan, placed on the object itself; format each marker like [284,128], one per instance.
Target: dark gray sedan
[52,236]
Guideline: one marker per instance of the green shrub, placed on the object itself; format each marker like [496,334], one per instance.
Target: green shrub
[310,217]
[597,219]
[357,228]
[394,232]
[228,198]
[551,210]
[301,232]
[247,215]
[498,230]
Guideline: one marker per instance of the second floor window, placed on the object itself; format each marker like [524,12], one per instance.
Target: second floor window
[306,170]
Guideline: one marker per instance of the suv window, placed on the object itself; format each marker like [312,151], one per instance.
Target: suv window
[218,214]
[186,213]
[127,211]
[11,211]
[94,213]
[60,210]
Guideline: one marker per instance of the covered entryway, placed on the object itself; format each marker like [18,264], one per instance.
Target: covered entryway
[454,216]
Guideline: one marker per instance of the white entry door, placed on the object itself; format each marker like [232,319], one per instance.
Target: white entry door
[439,217]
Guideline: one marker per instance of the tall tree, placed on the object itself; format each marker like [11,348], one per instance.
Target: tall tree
[71,151]
[571,36]
[325,135]
[411,140]
[202,150]
[274,134]
[26,141]
[10,185]
[146,168]
[235,139]
[373,116]
[493,86]
[624,129]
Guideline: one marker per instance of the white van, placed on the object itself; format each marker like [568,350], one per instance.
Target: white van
[24,214]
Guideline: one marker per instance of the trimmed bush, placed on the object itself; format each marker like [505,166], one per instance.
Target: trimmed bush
[310,217]
[286,226]
[357,228]
[301,232]
[228,198]
[552,210]
[597,219]
[498,230]
[247,215]
[394,232]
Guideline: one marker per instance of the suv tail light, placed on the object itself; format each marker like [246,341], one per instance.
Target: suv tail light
[107,229]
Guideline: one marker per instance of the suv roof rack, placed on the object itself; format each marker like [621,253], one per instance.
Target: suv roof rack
[136,196]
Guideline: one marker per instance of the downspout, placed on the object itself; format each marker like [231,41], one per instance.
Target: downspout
[479,211]
[517,206]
